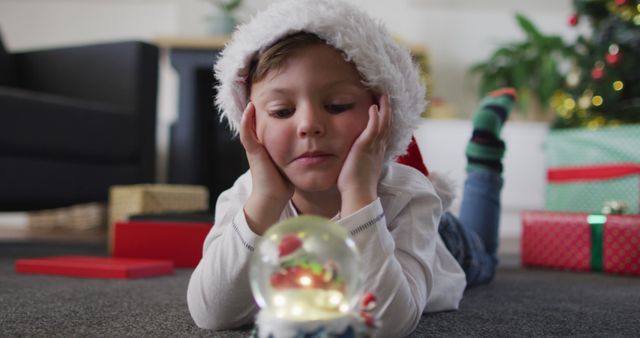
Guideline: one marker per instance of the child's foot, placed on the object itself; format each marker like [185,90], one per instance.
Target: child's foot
[485,149]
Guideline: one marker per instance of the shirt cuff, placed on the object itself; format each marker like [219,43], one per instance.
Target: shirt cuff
[242,231]
[364,219]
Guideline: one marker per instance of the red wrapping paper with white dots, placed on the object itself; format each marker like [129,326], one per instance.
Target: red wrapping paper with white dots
[563,240]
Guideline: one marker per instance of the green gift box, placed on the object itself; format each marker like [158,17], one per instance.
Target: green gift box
[587,168]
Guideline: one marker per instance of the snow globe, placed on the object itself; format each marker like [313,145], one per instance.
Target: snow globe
[305,277]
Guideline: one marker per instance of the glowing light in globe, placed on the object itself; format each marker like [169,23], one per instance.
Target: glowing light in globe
[306,268]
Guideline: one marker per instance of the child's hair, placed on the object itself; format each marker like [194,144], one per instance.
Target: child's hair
[275,56]
[271,36]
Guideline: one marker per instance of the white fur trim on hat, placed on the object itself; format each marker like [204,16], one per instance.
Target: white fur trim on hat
[445,188]
[386,66]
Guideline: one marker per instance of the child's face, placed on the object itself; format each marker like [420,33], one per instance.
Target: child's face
[308,114]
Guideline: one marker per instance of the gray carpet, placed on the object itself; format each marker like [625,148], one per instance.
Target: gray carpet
[519,303]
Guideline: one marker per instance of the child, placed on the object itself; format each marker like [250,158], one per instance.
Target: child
[324,100]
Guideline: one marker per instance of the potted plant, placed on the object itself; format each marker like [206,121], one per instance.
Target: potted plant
[224,21]
[533,66]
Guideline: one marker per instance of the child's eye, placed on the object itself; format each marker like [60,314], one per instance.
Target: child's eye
[338,108]
[281,113]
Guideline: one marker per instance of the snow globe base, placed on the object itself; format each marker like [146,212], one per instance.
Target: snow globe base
[270,325]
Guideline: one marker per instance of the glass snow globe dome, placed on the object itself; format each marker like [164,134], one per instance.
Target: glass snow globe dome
[306,268]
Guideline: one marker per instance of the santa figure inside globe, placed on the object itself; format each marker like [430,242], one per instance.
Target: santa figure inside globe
[299,269]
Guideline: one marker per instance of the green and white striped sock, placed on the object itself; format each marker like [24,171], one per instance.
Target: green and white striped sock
[485,149]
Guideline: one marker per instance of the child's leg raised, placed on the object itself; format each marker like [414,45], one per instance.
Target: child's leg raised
[480,208]
[472,238]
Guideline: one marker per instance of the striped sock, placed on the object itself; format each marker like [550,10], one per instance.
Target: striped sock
[485,149]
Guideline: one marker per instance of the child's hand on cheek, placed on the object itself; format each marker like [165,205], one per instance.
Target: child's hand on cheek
[358,179]
[271,190]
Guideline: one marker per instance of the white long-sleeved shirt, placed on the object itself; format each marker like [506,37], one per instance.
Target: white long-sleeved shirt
[400,226]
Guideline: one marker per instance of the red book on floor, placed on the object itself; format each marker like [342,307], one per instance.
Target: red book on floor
[95,267]
[179,242]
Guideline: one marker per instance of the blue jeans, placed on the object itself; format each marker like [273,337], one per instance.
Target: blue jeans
[473,237]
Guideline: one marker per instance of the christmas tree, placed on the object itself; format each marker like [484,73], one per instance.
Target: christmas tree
[592,82]
[603,86]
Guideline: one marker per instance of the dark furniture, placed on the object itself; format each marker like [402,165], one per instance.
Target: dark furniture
[202,149]
[75,121]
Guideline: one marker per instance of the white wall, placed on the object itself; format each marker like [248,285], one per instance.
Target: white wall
[443,142]
[28,24]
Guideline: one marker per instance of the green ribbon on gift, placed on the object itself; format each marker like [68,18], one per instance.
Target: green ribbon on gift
[597,240]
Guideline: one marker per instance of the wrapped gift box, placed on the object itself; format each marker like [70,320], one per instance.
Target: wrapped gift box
[590,167]
[589,188]
[140,199]
[581,241]
[178,242]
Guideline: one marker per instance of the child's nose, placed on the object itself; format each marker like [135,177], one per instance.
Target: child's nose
[311,122]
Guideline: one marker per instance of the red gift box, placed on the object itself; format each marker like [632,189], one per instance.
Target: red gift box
[581,241]
[179,242]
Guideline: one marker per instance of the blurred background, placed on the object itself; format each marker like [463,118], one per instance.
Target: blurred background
[451,36]
[456,33]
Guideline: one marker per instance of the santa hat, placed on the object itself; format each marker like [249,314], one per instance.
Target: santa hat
[386,66]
